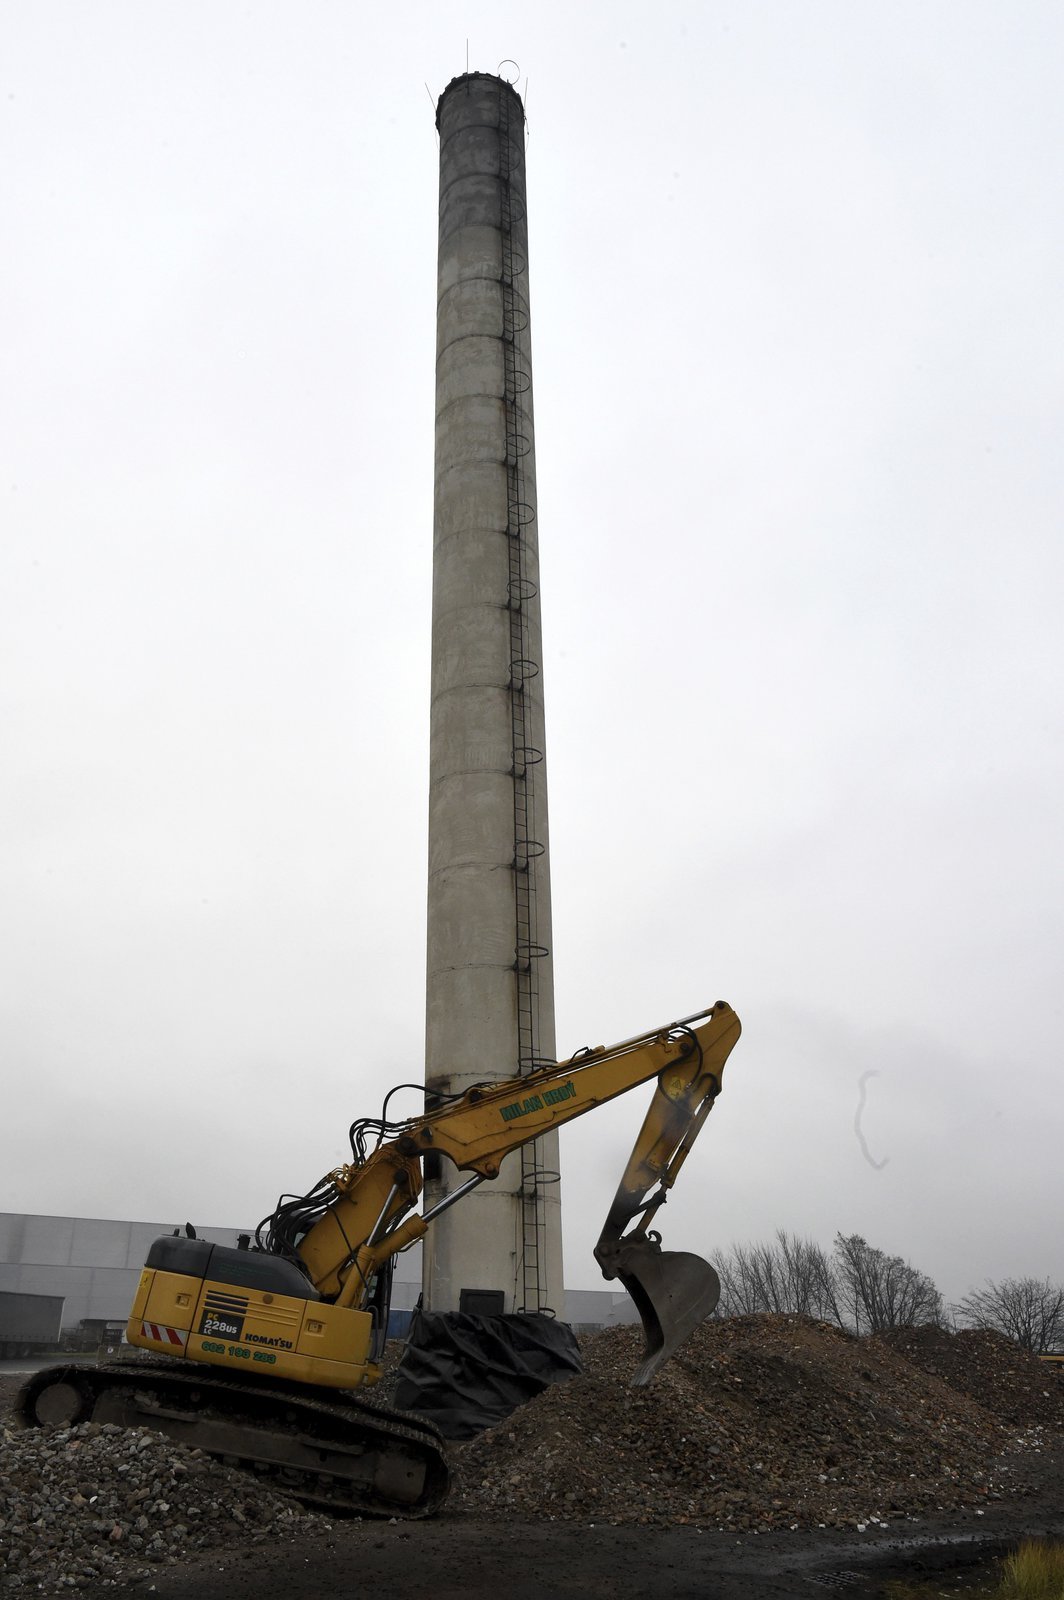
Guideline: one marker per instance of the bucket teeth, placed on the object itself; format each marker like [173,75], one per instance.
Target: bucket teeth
[673,1292]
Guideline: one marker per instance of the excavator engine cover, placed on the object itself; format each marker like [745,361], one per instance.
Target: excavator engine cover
[673,1292]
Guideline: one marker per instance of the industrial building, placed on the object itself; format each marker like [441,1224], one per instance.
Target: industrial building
[94,1264]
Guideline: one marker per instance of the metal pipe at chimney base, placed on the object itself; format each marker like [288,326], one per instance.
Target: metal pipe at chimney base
[490,987]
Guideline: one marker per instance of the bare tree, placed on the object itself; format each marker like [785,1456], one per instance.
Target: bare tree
[788,1275]
[1029,1310]
[739,1295]
[810,1276]
[857,1287]
[877,1291]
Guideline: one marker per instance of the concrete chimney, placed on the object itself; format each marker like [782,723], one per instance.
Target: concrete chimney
[490,987]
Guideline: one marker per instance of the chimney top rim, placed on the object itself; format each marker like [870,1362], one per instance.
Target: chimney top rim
[477,77]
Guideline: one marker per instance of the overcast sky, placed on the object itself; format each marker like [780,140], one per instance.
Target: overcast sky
[797,323]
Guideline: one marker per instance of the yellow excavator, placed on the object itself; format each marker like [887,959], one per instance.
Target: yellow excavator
[260,1355]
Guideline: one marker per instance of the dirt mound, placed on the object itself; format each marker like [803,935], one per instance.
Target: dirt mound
[758,1422]
[1007,1381]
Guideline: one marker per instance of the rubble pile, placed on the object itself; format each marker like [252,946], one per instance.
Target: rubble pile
[757,1423]
[1007,1381]
[81,1506]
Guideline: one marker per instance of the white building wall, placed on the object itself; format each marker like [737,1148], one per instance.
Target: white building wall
[95,1264]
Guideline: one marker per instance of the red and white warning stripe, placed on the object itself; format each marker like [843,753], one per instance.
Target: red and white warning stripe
[161,1335]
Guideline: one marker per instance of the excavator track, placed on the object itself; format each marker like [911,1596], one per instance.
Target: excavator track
[326,1448]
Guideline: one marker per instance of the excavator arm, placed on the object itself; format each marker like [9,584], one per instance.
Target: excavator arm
[364,1212]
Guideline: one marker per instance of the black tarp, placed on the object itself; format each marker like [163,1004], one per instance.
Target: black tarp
[466,1373]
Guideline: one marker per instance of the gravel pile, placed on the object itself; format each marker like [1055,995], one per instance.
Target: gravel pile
[81,1507]
[1005,1380]
[758,1423]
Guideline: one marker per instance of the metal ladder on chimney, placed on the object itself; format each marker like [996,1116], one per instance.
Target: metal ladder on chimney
[521,591]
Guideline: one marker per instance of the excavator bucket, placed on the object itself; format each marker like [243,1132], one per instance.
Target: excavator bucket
[673,1291]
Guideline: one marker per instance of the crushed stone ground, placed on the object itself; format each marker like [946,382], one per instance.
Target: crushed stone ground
[757,1424]
[82,1508]
[988,1368]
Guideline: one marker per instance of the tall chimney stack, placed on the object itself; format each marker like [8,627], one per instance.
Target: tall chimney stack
[490,984]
